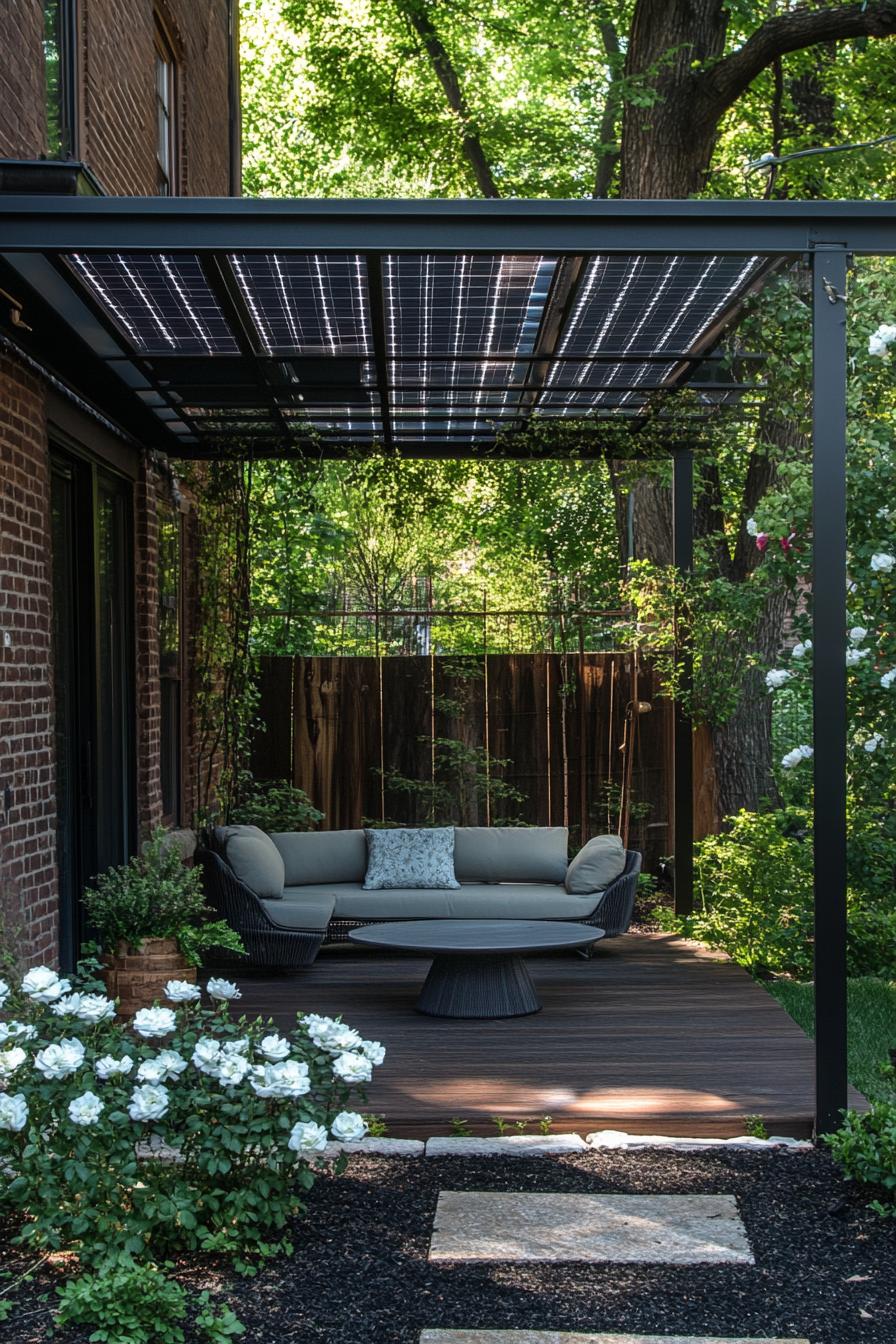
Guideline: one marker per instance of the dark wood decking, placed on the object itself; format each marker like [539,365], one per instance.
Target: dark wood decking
[652,1035]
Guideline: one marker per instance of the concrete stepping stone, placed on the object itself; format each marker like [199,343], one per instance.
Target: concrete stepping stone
[559,1337]
[506,1145]
[621,1229]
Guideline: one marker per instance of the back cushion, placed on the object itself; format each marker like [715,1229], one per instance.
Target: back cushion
[598,863]
[322,856]
[255,859]
[510,853]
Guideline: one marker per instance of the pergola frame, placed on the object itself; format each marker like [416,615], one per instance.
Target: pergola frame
[825,234]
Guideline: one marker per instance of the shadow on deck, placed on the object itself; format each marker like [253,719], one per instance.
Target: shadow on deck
[652,1035]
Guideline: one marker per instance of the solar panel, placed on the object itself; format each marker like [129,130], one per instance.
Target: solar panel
[161,304]
[307,303]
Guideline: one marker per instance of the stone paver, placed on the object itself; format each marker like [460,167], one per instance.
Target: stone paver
[624,1229]
[558,1337]
[617,1138]
[377,1147]
[506,1145]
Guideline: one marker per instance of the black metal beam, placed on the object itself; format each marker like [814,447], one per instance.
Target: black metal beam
[380,337]
[829,682]
[544,227]
[683,559]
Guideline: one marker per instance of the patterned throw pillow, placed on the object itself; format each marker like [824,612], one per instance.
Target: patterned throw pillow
[410,858]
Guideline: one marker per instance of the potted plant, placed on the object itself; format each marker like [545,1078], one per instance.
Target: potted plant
[150,918]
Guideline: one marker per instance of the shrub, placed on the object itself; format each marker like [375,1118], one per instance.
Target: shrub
[238,1112]
[274,805]
[130,1304]
[865,1147]
[155,895]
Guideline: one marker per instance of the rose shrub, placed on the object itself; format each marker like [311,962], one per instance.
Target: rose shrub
[184,1130]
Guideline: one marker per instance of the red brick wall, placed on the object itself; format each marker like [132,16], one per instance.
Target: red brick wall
[28,832]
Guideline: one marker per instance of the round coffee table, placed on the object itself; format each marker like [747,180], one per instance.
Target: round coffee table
[477,968]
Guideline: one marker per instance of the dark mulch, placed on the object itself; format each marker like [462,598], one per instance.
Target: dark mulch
[360,1274]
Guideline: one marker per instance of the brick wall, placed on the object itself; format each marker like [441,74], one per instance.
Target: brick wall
[22,127]
[27,832]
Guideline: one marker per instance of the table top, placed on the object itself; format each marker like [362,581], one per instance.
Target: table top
[477,935]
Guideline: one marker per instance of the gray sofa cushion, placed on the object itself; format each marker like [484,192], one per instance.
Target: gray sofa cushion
[474,901]
[322,856]
[255,860]
[598,863]
[300,909]
[405,857]
[510,853]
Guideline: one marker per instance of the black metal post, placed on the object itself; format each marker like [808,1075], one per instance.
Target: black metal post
[829,697]
[683,558]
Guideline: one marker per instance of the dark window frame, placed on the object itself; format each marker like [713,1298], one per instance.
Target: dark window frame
[61,31]
[166,95]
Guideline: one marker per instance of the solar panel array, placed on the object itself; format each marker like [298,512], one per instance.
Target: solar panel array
[407,348]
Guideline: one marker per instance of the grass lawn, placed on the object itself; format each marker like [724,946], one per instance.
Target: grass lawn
[872,1024]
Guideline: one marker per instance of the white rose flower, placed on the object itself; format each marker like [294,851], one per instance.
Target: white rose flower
[233,1069]
[286,1079]
[795,757]
[173,1064]
[16,1031]
[92,1008]
[13,1111]
[10,1060]
[373,1051]
[151,1022]
[43,985]
[752,527]
[874,741]
[353,1068]
[273,1048]
[857,634]
[882,563]
[348,1127]
[307,1137]
[109,1067]
[883,513]
[151,1071]
[879,341]
[222,989]
[855,656]
[58,1061]
[4,992]
[149,1102]
[207,1055]
[181,991]
[318,1026]
[800,650]
[237,1047]
[777,678]
[888,678]
[344,1040]
[86,1109]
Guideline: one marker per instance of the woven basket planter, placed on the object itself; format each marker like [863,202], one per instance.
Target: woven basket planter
[137,976]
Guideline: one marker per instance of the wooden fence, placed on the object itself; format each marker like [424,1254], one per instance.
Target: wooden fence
[575,746]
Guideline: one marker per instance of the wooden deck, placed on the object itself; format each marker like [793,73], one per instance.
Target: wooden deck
[652,1035]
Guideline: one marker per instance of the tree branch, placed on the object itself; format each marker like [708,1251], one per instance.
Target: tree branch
[608,156]
[419,19]
[723,84]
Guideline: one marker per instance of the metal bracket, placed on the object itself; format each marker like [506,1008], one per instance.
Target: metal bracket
[15,311]
[833,295]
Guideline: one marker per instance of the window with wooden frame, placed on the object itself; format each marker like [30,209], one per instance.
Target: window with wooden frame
[167,129]
[171,663]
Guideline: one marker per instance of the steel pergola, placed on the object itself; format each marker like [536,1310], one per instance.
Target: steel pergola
[220,247]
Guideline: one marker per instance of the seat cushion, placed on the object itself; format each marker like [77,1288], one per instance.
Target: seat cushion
[473,901]
[302,908]
[510,853]
[322,856]
[598,863]
[422,858]
[255,860]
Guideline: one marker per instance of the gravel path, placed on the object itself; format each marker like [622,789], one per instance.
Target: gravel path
[825,1266]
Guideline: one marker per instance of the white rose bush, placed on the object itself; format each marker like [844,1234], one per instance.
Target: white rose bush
[243,1109]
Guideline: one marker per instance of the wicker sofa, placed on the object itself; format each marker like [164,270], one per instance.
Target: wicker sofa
[289,894]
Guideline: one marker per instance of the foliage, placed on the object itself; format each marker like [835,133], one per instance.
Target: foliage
[274,805]
[155,895]
[129,1304]
[871,1005]
[234,1113]
[755,1126]
[865,1146]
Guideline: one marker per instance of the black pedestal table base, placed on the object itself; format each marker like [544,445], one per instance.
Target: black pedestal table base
[479,986]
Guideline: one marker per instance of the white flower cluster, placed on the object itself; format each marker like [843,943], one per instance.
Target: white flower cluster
[777,677]
[796,757]
[800,650]
[879,341]
[882,562]
[43,985]
[354,1057]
